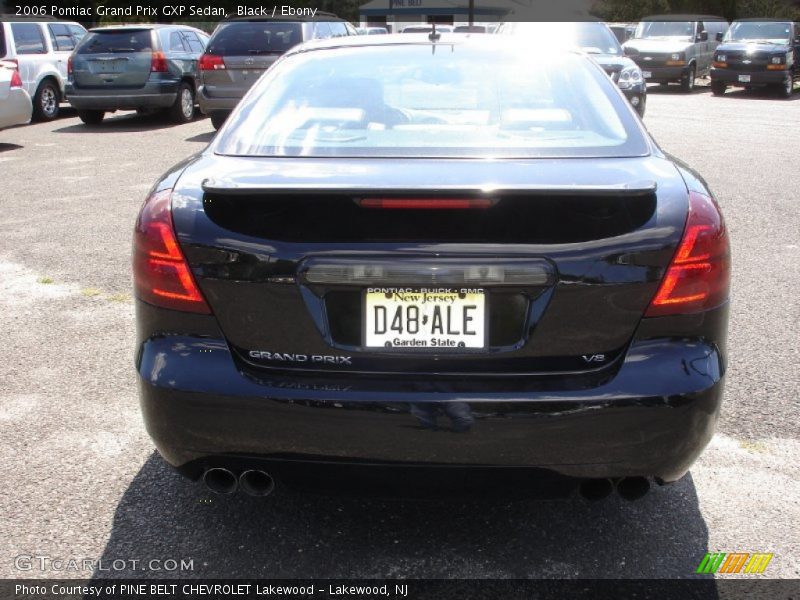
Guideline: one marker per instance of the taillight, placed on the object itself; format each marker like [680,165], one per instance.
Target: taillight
[16,80]
[211,62]
[698,278]
[426,203]
[158,63]
[162,275]
[69,66]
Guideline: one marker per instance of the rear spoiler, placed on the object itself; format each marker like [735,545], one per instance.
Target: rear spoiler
[229,186]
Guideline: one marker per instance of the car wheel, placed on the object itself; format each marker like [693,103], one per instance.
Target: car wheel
[687,82]
[182,111]
[91,117]
[218,119]
[718,88]
[786,88]
[45,101]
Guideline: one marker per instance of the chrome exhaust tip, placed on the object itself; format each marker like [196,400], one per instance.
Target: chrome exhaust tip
[220,481]
[595,489]
[256,483]
[633,488]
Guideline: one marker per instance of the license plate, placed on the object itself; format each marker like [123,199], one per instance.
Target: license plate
[103,67]
[647,74]
[424,318]
[744,78]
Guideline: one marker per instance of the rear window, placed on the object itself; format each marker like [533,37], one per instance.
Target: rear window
[419,101]
[28,38]
[255,37]
[60,37]
[3,47]
[110,42]
[77,31]
[195,45]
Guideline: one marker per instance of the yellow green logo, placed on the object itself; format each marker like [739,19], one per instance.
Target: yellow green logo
[734,562]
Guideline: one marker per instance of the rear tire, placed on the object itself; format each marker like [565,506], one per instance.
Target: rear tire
[45,101]
[687,82]
[718,88]
[182,111]
[91,117]
[218,119]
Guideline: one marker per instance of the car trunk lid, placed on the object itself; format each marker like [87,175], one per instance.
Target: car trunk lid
[563,262]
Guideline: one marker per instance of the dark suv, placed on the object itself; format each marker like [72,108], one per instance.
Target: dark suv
[136,67]
[240,50]
[758,52]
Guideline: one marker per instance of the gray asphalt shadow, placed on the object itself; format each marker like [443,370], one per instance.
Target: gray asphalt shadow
[202,137]
[126,122]
[297,535]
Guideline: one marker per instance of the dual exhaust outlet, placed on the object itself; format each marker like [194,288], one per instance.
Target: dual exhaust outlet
[629,488]
[258,483]
[252,482]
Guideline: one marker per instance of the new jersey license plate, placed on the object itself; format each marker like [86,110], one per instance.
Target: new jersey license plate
[647,74]
[424,318]
[744,78]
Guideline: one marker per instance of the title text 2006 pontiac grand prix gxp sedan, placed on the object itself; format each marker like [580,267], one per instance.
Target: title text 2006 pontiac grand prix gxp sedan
[412,257]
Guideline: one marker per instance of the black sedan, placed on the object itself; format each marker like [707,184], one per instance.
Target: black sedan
[399,258]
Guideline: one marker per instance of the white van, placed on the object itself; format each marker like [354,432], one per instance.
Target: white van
[40,49]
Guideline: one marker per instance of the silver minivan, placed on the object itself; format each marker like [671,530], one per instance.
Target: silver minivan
[676,48]
[241,49]
[40,49]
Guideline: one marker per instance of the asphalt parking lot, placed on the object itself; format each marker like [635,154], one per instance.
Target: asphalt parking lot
[82,479]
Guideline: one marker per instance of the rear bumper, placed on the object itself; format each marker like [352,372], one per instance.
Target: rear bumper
[154,94]
[731,77]
[209,104]
[16,109]
[652,418]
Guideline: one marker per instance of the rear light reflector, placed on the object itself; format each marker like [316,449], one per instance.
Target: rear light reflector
[698,277]
[162,275]
[777,67]
[426,272]
[158,63]
[719,65]
[16,80]
[426,203]
[211,62]
[69,66]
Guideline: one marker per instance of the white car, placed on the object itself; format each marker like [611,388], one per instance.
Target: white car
[41,49]
[15,103]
